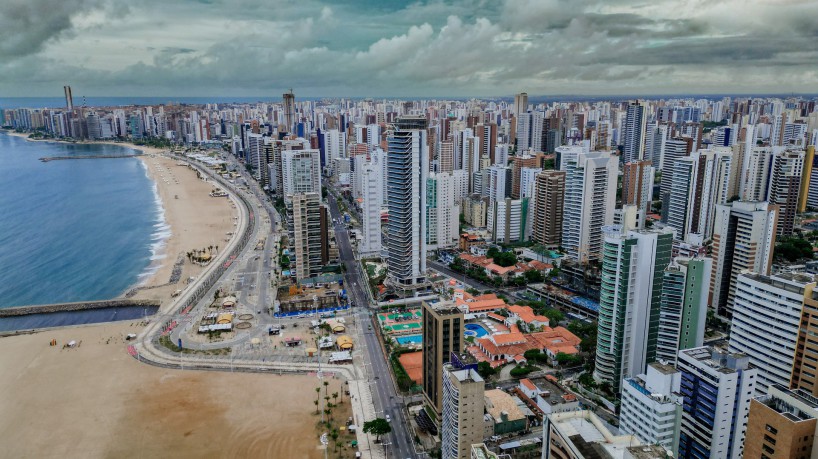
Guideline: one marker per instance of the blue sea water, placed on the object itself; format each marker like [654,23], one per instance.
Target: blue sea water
[74,230]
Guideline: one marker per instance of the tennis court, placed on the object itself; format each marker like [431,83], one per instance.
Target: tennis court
[402,327]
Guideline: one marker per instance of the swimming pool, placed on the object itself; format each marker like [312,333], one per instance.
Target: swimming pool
[409,339]
[475,330]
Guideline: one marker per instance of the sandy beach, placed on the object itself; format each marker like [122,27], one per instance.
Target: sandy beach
[96,401]
[196,221]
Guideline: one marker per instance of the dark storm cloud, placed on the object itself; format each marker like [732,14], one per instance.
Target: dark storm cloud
[27,25]
[429,47]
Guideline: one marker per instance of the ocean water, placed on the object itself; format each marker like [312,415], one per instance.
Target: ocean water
[74,230]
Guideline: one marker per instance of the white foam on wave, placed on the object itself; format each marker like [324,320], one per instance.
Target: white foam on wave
[159,237]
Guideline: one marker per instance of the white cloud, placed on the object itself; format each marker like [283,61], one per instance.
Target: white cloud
[461,48]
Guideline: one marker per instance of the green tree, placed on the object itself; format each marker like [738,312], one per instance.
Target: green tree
[793,249]
[377,427]
[485,370]
[533,276]
[564,359]
[554,316]
[457,265]
[505,259]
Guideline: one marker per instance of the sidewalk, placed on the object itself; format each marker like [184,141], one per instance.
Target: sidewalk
[364,410]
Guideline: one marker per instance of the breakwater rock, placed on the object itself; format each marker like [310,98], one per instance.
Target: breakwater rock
[78,306]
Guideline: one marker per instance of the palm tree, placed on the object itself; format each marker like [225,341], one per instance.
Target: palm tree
[316,406]
[334,435]
[326,387]
[335,397]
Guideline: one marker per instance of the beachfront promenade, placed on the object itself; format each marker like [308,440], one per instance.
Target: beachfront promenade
[148,349]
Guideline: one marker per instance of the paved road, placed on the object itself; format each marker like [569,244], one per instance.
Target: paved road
[387,402]
[440,267]
[252,275]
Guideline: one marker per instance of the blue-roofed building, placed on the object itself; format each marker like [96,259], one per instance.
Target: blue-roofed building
[564,300]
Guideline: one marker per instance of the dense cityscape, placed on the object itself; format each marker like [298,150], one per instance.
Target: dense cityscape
[499,278]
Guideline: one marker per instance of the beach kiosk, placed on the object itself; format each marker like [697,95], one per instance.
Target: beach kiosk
[344,343]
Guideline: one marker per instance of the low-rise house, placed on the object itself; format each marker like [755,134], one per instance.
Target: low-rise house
[505,412]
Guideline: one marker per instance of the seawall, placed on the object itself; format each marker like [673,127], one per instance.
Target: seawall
[78,306]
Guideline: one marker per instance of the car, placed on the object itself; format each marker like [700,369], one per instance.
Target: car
[388,419]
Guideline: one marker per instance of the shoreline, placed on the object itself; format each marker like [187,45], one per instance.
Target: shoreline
[194,223]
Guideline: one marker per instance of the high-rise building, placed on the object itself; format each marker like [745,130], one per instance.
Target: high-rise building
[487,134]
[634,129]
[582,435]
[700,182]
[445,157]
[782,424]
[372,201]
[528,176]
[767,317]
[652,406]
[673,149]
[443,327]
[310,224]
[655,138]
[806,179]
[508,220]
[549,192]
[94,128]
[785,185]
[463,408]
[442,211]
[289,111]
[529,131]
[756,174]
[499,184]
[69,98]
[590,198]
[743,239]
[637,186]
[334,146]
[804,373]
[520,103]
[519,162]
[683,313]
[407,172]
[717,388]
[300,172]
[633,263]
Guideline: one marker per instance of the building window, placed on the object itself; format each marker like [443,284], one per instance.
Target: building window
[767,449]
[771,429]
[769,439]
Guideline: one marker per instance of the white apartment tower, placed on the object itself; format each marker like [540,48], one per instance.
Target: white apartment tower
[766,323]
[300,172]
[652,406]
[442,211]
[372,195]
[590,198]
[743,239]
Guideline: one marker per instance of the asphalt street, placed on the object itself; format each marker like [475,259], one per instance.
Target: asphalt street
[387,402]
[440,267]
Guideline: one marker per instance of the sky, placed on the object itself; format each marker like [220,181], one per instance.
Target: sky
[428,48]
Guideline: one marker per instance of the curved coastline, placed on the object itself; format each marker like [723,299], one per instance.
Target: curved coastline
[162,230]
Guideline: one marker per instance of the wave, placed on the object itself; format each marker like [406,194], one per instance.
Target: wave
[159,237]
